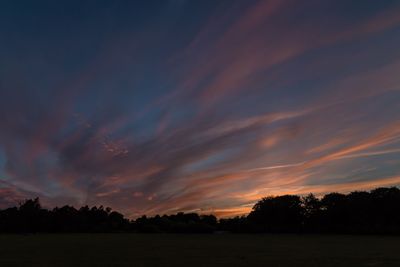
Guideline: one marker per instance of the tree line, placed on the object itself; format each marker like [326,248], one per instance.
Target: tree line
[359,212]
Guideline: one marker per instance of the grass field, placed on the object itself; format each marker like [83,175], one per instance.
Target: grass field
[198,250]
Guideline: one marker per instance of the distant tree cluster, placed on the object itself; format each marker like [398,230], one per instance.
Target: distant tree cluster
[30,217]
[360,212]
[178,223]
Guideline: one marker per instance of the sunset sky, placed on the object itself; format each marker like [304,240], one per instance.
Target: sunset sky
[206,106]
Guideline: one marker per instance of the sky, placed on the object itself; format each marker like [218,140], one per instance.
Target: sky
[154,107]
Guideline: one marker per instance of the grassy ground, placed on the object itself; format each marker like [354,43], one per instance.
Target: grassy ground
[198,250]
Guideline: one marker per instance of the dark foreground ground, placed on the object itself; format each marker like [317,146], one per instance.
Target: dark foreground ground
[198,250]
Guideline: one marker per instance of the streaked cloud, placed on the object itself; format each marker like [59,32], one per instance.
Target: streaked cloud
[203,107]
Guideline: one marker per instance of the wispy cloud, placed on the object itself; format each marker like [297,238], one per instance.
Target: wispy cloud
[244,100]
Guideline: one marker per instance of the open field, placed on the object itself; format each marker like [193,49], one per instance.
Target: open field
[198,250]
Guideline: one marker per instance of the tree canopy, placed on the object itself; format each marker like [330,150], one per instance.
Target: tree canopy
[373,212]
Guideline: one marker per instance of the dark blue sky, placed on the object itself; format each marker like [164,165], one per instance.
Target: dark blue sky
[165,106]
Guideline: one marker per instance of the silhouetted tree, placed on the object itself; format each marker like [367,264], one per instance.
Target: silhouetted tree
[312,213]
[334,212]
[235,225]
[385,209]
[30,214]
[278,214]
[358,212]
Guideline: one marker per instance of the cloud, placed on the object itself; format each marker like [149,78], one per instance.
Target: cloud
[258,98]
